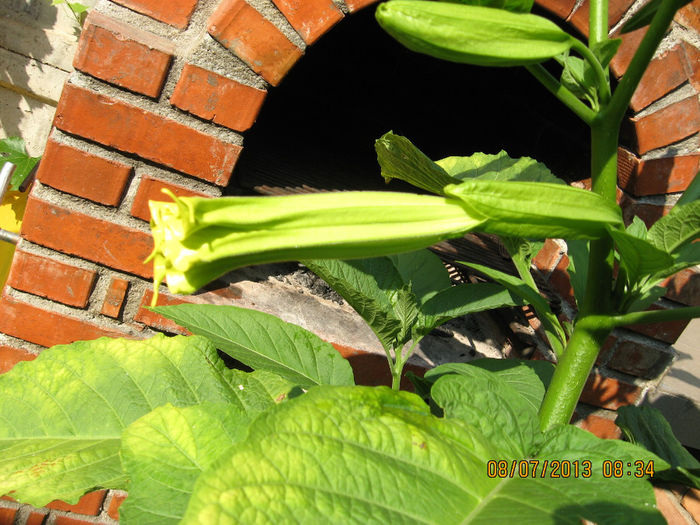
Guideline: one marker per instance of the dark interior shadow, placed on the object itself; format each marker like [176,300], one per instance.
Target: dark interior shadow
[317,129]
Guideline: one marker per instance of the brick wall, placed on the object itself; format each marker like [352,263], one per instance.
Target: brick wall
[163,94]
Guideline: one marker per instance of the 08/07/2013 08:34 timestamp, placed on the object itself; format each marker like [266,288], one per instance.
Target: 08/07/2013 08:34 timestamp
[552,468]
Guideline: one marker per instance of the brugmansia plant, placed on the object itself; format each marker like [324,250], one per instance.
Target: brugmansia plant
[295,440]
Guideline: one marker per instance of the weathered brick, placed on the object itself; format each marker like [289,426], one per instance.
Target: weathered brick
[174,12]
[217,98]
[691,503]
[36,518]
[133,130]
[150,190]
[656,176]
[668,332]
[52,279]
[689,16]
[560,281]
[684,287]
[560,8]
[115,297]
[667,505]
[90,504]
[616,9]
[600,426]
[44,327]
[255,40]
[607,392]
[123,55]
[623,57]
[692,64]
[637,359]
[10,356]
[83,174]
[310,18]
[664,74]
[648,212]
[7,516]
[356,5]
[114,503]
[93,239]
[72,520]
[156,321]
[667,125]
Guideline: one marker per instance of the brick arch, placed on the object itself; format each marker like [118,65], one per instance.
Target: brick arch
[163,94]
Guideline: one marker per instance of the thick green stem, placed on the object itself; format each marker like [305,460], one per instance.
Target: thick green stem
[597,22]
[572,372]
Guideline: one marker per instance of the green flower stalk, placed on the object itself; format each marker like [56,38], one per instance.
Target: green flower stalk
[198,239]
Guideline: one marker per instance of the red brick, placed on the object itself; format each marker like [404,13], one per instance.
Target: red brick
[606,350]
[356,5]
[548,257]
[684,287]
[616,9]
[623,57]
[67,520]
[560,281]
[83,174]
[10,356]
[692,64]
[174,12]
[667,505]
[44,327]
[7,516]
[691,503]
[667,125]
[150,190]
[310,18]
[116,295]
[133,130]
[90,504]
[656,176]
[668,332]
[156,321]
[664,74]
[606,392]
[649,213]
[123,55]
[217,98]
[560,8]
[637,359]
[689,16]
[36,518]
[93,239]
[54,280]
[601,426]
[255,40]
[114,504]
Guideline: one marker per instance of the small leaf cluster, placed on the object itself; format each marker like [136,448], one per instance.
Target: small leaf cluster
[12,149]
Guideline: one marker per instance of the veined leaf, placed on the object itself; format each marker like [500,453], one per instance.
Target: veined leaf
[638,256]
[549,211]
[486,401]
[424,271]
[63,413]
[12,150]
[647,427]
[516,6]
[165,451]
[370,455]
[680,227]
[499,167]
[472,34]
[264,342]
[400,159]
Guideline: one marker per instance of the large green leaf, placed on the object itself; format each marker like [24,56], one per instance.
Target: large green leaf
[264,342]
[165,451]
[63,413]
[371,455]
[400,159]
[486,401]
[680,227]
[647,427]
[469,34]
[639,257]
[497,167]
[691,193]
[12,150]
[578,252]
[536,210]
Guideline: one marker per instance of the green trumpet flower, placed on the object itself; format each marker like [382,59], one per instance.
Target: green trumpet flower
[198,239]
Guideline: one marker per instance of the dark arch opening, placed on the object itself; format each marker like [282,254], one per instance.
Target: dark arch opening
[317,129]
